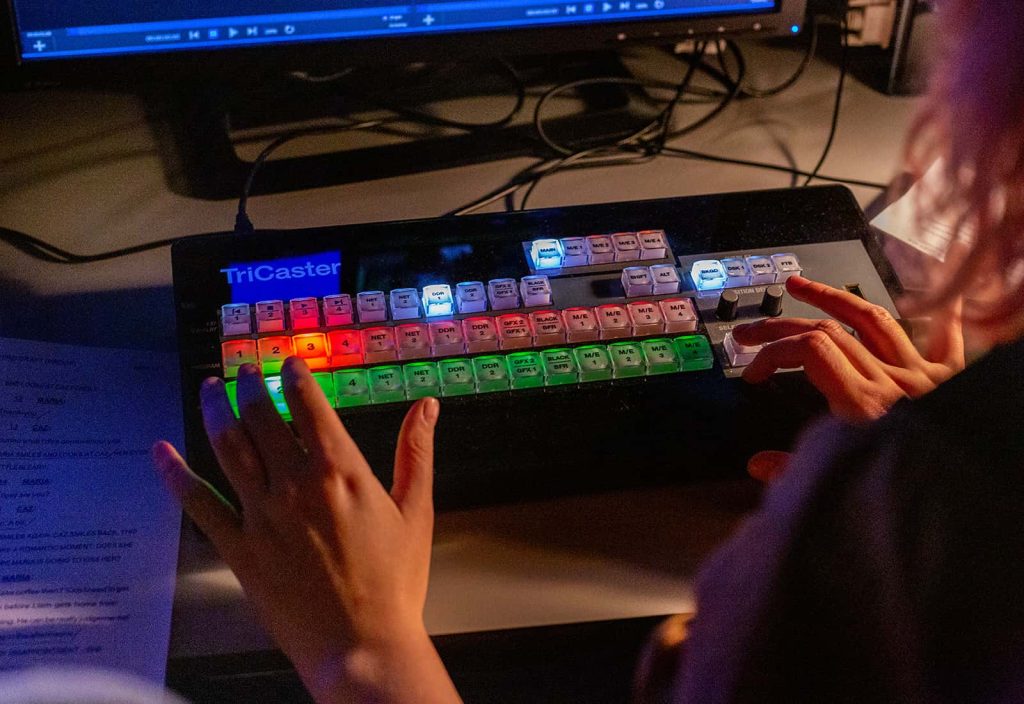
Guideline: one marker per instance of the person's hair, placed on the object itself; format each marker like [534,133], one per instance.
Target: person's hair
[973,119]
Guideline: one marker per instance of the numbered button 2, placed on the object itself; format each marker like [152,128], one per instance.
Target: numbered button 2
[273,352]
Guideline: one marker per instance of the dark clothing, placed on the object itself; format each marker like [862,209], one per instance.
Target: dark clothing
[887,565]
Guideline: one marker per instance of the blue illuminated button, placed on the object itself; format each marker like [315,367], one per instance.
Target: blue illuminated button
[708,275]
[471,297]
[546,254]
[437,300]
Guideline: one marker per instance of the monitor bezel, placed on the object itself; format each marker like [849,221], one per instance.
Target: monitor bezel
[228,63]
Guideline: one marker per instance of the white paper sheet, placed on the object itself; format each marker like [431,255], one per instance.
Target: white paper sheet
[88,535]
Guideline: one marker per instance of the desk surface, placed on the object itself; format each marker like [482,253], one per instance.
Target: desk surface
[81,170]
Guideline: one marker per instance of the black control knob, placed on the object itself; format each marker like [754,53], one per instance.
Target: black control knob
[771,304]
[728,305]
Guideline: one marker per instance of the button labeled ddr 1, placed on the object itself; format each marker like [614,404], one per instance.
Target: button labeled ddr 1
[352,388]
[386,384]
[560,367]
[594,363]
[422,380]
[456,377]
[526,369]
[491,373]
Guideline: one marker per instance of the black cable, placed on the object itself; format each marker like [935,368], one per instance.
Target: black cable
[40,249]
[837,108]
[812,48]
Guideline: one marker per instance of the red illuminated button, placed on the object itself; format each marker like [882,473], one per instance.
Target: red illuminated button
[680,315]
[646,318]
[580,324]
[446,338]
[270,316]
[548,328]
[514,331]
[273,352]
[413,341]
[481,334]
[305,313]
[312,347]
[235,353]
[338,310]
[613,321]
[346,348]
[378,345]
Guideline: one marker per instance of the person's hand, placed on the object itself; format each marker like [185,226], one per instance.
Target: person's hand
[335,566]
[860,376]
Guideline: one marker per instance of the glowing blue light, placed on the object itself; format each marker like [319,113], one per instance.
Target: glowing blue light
[437,300]
[795,29]
[546,254]
[708,275]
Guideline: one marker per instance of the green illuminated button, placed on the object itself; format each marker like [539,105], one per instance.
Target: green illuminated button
[661,356]
[352,387]
[527,370]
[386,384]
[326,382]
[456,377]
[560,367]
[627,359]
[422,379]
[491,373]
[594,363]
[277,396]
[232,388]
[694,352]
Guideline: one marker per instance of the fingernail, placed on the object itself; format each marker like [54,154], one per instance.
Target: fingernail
[431,410]
[248,369]
[293,367]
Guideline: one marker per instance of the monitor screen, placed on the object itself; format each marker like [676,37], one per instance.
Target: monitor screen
[92,28]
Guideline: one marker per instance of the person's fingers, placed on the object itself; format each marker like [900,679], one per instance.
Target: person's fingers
[878,330]
[946,336]
[413,484]
[231,444]
[270,435]
[328,443]
[214,516]
[767,466]
[774,329]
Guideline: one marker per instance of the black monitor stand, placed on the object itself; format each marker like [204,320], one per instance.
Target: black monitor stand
[193,123]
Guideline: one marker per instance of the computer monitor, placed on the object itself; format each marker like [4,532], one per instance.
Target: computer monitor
[209,35]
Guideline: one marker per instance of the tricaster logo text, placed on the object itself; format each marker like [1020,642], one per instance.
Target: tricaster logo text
[267,272]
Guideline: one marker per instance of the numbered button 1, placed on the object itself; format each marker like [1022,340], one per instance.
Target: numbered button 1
[312,347]
[346,348]
[235,353]
[235,319]
[305,313]
[270,316]
[273,352]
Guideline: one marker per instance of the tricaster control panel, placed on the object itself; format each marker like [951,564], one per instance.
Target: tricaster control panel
[525,325]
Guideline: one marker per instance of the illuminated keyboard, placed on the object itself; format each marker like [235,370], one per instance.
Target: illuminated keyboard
[596,337]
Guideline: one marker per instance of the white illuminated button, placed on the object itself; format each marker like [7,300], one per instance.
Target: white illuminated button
[405,303]
[234,318]
[338,310]
[304,312]
[536,291]
[574,251]
[471,297]
[580,325]
[546,254]
[437,300]
[737,272]
[637,281]
[371,307]
[481,334]
[413,341]
[270,316]
[614,322]
[548,328]
[514,331]
[503,294]
[378,344]
[446,338]
[737,354]
[646,317]
[600,249]
[762,271]
[666,278]
[680,314]
[708,275]
[786,265]
[652,244]
[627,246]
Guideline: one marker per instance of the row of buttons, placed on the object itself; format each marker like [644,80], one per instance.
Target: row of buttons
[570,252]
[343,348]
[714,274]
[372,306]
[490,373]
